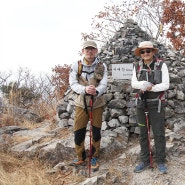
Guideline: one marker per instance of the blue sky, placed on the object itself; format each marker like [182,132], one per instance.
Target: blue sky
[39,34]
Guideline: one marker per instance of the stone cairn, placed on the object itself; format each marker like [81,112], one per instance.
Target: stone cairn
[120,104]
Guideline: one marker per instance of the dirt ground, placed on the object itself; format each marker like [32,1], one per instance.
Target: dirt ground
[121,165]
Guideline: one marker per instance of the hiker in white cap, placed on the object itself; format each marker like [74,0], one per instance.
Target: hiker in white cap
[88,79]
[151,80]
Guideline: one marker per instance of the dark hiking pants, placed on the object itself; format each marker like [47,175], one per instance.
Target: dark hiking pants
[157,122]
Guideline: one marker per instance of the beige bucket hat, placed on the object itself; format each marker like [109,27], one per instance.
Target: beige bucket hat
[144,45]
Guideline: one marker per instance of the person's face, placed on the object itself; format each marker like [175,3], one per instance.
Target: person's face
[90,53]
[147,54]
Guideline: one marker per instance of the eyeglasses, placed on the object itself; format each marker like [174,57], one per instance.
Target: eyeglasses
[143,51]
[89,48]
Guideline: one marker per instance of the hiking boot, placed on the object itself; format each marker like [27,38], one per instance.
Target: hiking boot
[162,168]
[141,166]
[94,164]
[77,162]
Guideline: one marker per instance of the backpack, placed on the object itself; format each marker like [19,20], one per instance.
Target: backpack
[98,75]
[98,72]
[157,70]
[157,79]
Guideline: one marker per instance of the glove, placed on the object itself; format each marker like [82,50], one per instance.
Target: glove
[145,85]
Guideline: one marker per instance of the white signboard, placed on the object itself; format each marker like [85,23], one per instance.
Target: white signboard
[122,71]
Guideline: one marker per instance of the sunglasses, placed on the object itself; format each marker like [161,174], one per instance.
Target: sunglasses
[143,51]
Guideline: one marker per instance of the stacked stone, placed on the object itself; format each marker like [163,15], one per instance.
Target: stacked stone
[120,97]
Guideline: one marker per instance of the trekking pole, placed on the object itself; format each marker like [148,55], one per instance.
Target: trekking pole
[149,145]
[148,127]
[90,150]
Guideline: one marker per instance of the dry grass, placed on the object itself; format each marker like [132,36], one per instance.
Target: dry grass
[15,171]
[24,171]
[18,171]
[7,120]
[29,124]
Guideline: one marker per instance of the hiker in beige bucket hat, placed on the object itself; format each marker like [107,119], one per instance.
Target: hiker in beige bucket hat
[150,80]
[145,45]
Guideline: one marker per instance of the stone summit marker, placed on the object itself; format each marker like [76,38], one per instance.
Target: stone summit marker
[122,71]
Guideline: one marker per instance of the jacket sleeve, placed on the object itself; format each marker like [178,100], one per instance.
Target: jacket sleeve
[102,87]
[164,85]
[74,84]
[134,81]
